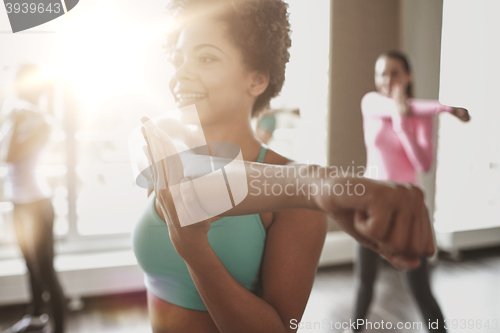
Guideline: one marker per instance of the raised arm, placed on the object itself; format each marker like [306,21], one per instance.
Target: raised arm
[426,107]
[376,104]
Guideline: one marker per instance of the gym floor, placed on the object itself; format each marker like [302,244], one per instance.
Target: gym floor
[466,290]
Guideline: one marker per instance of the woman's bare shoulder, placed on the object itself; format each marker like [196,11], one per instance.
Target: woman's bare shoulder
[283,217]
[273,157]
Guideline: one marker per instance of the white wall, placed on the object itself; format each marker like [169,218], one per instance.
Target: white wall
[468,181]
[420,38]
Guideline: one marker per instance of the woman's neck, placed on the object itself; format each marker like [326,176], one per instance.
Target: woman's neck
[238,132]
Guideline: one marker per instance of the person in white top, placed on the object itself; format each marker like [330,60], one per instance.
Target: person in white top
[29,132]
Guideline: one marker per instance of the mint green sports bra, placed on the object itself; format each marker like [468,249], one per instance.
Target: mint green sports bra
[238,241]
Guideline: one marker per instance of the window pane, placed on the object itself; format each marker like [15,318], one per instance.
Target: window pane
[108,200]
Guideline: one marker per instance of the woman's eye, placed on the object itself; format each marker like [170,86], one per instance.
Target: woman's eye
[205,59]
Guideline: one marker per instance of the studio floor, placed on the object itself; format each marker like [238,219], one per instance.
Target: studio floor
[468,292]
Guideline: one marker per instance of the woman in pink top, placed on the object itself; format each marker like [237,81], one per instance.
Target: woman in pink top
[399,143]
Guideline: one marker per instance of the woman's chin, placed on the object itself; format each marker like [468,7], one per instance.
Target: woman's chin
[207,114]
[180,103]
[204,114]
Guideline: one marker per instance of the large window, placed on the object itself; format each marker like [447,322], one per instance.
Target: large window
[109,72]
[110,68]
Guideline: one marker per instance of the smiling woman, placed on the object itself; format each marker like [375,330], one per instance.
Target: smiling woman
[229,78]
[250,269]
[252,35]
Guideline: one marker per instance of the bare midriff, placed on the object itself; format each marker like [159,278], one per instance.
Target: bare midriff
[167,318]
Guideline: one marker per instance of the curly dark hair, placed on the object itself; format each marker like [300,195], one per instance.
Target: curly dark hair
[259,28]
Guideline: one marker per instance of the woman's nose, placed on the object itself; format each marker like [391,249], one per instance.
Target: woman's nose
[184,71]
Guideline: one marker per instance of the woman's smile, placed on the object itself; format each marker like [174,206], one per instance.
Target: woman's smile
[210,72]
[186,98]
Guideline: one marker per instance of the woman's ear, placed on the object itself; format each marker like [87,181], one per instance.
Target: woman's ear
[258,83]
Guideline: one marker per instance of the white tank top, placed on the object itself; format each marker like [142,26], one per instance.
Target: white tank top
[23,183]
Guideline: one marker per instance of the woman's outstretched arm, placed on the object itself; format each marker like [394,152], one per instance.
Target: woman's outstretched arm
[380,215]
[390,218]
[376,104]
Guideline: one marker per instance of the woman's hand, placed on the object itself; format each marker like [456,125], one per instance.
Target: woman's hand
[399,96]
[172,199]
[461,114]
[390,218]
